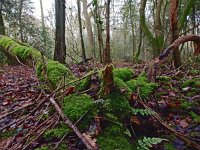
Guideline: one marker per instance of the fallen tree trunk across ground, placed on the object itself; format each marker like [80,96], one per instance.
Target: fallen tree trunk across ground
[52,72]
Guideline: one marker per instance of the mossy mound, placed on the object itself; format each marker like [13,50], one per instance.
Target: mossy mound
[124,74]
[114,137]
[142,83]
[55,73]
[75,106]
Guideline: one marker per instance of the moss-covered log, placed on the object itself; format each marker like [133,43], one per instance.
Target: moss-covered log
[46,69]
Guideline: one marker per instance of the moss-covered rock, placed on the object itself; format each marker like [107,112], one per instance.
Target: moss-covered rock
[123,73]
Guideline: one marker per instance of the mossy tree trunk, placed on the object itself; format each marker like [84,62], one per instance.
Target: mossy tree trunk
[155,41]
[47,70]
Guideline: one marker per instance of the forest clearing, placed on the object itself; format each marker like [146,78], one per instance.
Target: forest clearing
[100,74]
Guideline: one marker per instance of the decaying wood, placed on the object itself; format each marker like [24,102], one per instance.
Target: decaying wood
[72,126]
[152,67]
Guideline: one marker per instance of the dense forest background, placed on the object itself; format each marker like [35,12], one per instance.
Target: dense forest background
[139,30]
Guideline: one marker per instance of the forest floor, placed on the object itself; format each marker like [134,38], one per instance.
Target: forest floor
[176,100]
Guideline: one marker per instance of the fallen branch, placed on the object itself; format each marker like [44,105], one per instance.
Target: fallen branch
[72,126]
[152,67]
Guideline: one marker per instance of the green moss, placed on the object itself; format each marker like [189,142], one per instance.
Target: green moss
[7,134]
[43,148]
[84,83]
[57,132]
[108,141]
[75,106]
[123,73]
[62,146]
[195,117]
[164,78]
[121,85]
[118,105]
[192,83]
[141,82]
[56,72]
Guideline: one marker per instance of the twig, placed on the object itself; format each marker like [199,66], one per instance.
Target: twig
[21,62]
[72,126]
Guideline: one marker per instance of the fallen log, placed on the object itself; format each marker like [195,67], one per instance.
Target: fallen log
[47,70]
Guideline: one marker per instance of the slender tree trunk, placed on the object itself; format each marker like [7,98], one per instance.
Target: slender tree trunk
[175,31]
[2,27]
[60,47]
[43,26]
[88,27]
[99,31]
[81,32]
[132,29]
[20,20]
[107,58]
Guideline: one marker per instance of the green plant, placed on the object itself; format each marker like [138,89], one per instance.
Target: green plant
[143,112]
[123,73]
[195,117]
[148,142]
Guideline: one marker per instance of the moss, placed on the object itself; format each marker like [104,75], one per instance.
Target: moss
[56,72]
[192,83]
[121,85]
[7,134]
[141,82]
[123,73]
[164,78]
[62,146]
[75,106]
[43,148]
[57,132]
[118,105]
[114,137]
[84,83]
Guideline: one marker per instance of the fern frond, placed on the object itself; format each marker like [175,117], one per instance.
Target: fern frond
[148,142]
[142,112]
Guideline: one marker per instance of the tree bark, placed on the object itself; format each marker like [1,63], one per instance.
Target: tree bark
[175,31]
[2,27]
[60,46]
[20,20]
[81,32]
[107,58]
[89,28]
[99,31]
[43,26]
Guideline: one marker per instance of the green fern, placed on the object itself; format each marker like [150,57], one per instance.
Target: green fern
[148,142]
[142,112]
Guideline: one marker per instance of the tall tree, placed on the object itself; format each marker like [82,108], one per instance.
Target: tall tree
[88,27]
[155,41]
[60,46]
[107,58]
[43,26]
[81,32]
[2,27]
[20,20]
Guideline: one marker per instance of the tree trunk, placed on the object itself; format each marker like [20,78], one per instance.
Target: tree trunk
[60,47]
[132,29]
[175,31]
[107,58]
[43,27]
[158,27]
[99,31]
[81,32]
[20,20]
[2,27]
[88,28]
